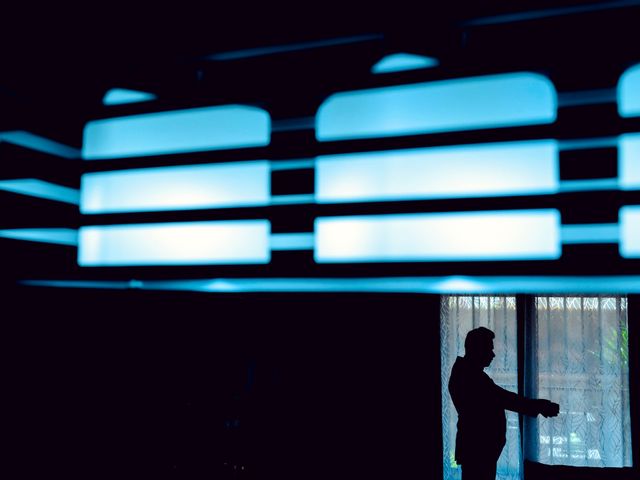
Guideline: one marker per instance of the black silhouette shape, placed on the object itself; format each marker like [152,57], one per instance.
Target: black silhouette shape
[481,404]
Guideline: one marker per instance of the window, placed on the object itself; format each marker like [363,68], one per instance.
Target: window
[459,315]
[579,359]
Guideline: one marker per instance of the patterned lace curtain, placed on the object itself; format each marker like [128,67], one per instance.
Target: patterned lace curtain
[459,314]
[581,361]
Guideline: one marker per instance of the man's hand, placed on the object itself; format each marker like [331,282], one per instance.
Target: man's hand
[548,408]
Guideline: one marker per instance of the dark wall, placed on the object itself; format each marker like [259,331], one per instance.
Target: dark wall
[155,385]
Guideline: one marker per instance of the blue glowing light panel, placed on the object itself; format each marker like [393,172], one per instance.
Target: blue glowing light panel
[185,243]
[629,161]
[471,103]
[399,62]
[515,168]
[192,130]
[121,96]
[41,189]
[439,285]
[629,92]
[236,184]
[629,246]
[57,236]
[460,236]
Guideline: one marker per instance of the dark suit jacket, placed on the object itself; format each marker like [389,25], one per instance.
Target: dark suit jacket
[481,403]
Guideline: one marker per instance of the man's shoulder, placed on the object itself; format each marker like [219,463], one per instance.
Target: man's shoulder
[459,362]
[462,371]
[458,366]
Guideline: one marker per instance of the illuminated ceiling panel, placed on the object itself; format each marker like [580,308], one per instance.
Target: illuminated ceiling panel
[630,231]
[440,237]
[122,96]
[180,131]
[184,243]
[629,92]
[220,185]
[492,101]
[399,62]
[514,168]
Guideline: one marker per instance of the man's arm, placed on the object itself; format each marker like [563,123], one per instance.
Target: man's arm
[527,406]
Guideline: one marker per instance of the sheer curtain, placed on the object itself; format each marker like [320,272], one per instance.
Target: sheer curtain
[459,314]
[580,360]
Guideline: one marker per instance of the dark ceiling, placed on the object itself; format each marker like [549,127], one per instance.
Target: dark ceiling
[56,58]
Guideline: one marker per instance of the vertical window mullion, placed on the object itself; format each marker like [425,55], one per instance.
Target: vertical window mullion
[549,349]
[521,310]
[527,373]
[633,329]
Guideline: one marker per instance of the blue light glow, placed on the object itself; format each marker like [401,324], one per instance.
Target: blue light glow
[586,97]
[41,189]
[629,92]
[586,143]
[222,185]
[292,164]
[57,236]
[459,236]
[292,47]
[185,243]
[546,13]
[470,103]
[301,199]
[413,285]
[39,144]
[399,62]
[590,233]
[589,185]
[121,96]
[292,241]
[629,246]
[293,124]
[629,161]
[181,131]
[523,168]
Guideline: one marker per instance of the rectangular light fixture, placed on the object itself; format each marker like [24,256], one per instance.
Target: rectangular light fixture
[599,284]
[40,144]
[629,93]
[629,221]
[492,101]
[629,161]
[41,189]
[183,243]
[179,131]
[56,236]
[222,185]
[513,168]
[440,237]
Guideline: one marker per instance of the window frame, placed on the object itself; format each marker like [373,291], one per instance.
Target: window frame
[530,470]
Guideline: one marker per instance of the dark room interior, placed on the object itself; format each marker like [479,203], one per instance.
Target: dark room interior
[248,241]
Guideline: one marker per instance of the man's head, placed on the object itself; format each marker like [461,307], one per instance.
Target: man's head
[478,346]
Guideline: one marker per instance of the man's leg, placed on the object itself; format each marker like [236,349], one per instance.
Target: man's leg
[479,469]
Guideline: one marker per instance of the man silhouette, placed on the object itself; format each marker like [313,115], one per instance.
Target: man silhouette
[481,403]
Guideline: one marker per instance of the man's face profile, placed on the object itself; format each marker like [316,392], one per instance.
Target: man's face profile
[479,347]
[485,354]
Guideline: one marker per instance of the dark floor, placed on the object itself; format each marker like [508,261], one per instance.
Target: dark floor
[103,384]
